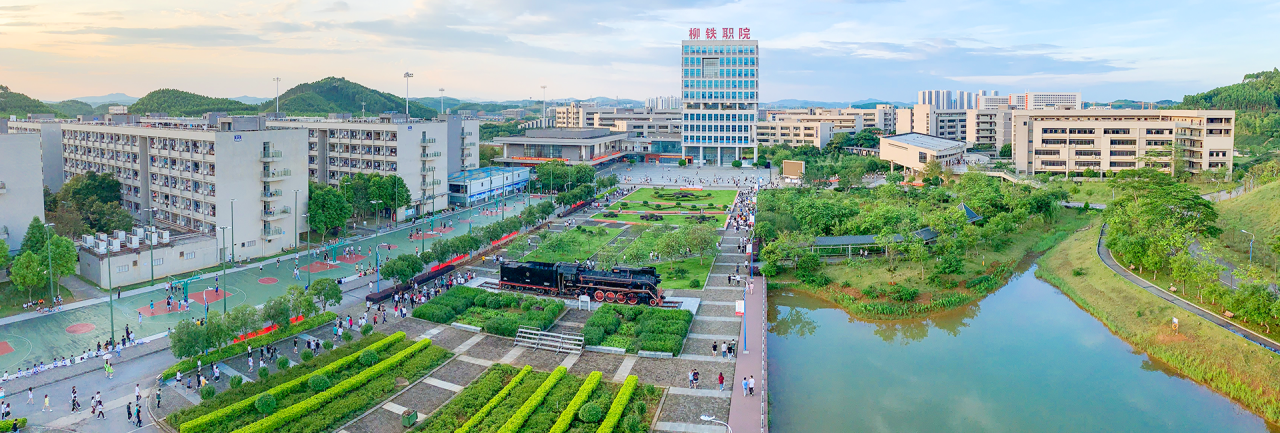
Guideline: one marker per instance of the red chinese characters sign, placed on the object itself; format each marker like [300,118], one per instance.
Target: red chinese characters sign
[723,33]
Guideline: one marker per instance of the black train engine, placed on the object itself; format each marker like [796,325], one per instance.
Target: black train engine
[621,284]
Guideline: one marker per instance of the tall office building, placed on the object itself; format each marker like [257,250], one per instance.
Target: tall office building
[720,95]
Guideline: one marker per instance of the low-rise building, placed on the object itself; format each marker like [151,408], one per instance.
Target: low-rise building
[124,258]
[794,133]
[914,150]
[482,184]
[1072,141]
[574,146]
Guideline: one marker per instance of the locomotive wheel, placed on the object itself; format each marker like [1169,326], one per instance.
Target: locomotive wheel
[599,296]
[632,299]
[653,302]
[610,296]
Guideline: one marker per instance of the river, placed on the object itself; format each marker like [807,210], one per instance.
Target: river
[1024,359]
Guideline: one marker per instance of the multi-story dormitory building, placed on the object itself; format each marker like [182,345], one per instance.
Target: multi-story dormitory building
[1060,141]
[422,152]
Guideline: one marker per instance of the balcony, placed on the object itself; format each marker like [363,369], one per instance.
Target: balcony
[428,183]
[276,175]
[272,195]
[431,154]
[429,169]
[275,214]
[271,155]
[273,232]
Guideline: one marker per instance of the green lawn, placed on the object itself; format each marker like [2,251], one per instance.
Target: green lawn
[673,220]
[718,197]
[577,244]
[13,297]
[693,270]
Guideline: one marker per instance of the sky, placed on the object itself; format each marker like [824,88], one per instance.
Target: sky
[825,50]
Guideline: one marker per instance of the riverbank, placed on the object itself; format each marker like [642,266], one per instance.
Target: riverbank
[1199,350]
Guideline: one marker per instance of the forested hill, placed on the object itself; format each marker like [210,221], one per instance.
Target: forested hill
[179,103]
[17,104]
[338,95]
[1256,100]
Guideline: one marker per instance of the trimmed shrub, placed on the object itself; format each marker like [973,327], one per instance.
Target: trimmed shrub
[307,355]
[619,405]
[235,381]
[579,399]
[592,335]
[228,351]
[514,423]
[662,343]
[346,337]
[493,402]
[591,412]
[318,383]
[501,325]
[695,284]
[265,404]
[282,363]
[904,294]
[368,358]
[482,299]
[366,329]
[8,425]
[207,392]
[494,303]
[263,373]
[608,321]
[632,422]
[327,345]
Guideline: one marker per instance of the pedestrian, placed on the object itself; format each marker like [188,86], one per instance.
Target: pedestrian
[128,411]
[157,398]
[295,345]
[715,348]
[137,415]
[690,379]
[696,378]
[137,392]
[751,385]
[721,380]
[46,404]
[744,387]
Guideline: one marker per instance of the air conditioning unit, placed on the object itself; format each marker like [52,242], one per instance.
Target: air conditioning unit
[133,241]
[102,237]
[151,229]
[164,236]
[152,237]
[118,235]
[114,244]
[138,231]
[100,246]
[87,241]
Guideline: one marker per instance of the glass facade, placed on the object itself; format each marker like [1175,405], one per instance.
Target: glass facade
[720,86]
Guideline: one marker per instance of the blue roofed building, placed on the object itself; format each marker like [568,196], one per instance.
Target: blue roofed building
[469,187]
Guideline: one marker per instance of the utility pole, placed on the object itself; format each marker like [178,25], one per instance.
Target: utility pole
[407,76]
[224,272]
[544,105]
[277,80]
[362,109]
[151,212]
[225,293]
[296,239]
[48,249]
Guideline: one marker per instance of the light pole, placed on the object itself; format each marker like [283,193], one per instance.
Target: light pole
[407,76]
[224,272]
[714,420]
[296,238]
[441,104]
[362,103]
[233,254]
[48,249]
[543,115]
[1251,238]
[377,216]
[111,301]
[277,80]
[151,247]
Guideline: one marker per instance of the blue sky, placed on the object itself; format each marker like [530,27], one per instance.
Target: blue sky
[828,50]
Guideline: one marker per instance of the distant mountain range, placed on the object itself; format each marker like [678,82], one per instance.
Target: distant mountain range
[802,103]
[117,98]
[254,100]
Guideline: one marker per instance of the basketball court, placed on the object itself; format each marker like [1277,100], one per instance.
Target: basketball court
[351,259]
[207,296]
[318,266]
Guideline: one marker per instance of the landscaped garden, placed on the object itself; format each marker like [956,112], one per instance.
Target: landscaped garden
[329,389]
[905,275]
[510,400]
[638,328]
[497,313]
[640,206]
[682,255]
[576,244]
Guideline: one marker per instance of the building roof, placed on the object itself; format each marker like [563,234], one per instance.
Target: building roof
[567,133]
[925,141]
[481,173]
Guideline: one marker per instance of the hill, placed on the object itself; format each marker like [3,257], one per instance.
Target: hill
[456,104]
[1256,99]
[72,108]
[117,98]
[180,103]
[339,95]
[17,104]
[1257,211]
[251,99]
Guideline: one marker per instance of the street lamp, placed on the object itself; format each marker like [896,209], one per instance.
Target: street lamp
[441,113]
[296,239]
[407,76]
[543,115]
[1251,238]
[296,254]
[714,420]
[151,246]
[377,216]
[48,249]
[277,80]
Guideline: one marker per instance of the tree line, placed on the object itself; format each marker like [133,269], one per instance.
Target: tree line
[190,337]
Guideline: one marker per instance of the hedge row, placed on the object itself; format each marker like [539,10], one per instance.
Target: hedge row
[658,329]
[241,347]
[493,402]
[443,308]
[513,424]
[566,417]
[202,424]
[353,403]
[619,405]
[309,405]
[250,389]
[6,426]
[458,411]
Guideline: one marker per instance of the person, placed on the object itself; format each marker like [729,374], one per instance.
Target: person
[721,380]
[46,404]
[695,379]
[751,385]
[690,379]
[179,378]
[137,415]
[744,387]
[137,392]
[715,348]
[128,411]
[157,398]
[295,345]
[30,395]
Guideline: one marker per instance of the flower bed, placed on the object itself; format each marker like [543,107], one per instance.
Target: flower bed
[312,406]
[638,328]
[497,399]
[253,389]
[225,352]
[231,417]
[507,408]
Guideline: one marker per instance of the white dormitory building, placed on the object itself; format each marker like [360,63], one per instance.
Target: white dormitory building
[21,196]
[1060,141]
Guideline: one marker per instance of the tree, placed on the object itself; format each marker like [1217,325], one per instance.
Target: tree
[300,302]
[841,139]
[736,163]
[894,178]
[916,251]
[488,153]
[28,272]
[583,174]
[83,190]
[4,254]
[327,292]
[327,209]
[402,268]
[68,221]
[867,138]
[278,310]
[391,191]
[216,331]
[932,169]
[35,237]
[62,252]
[185,339]
[107,217]
[1006,150]
[243,319]
[682,162]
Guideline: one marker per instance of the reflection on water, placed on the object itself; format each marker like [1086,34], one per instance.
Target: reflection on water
[1032,361]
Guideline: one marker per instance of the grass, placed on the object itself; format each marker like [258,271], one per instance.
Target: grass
[719,197]
[1257,211]
[14,297]
[577,244]
[1200,350]
[865,287]
[674,220]
[695,271]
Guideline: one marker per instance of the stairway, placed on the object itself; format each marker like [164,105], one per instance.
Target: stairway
[531,337]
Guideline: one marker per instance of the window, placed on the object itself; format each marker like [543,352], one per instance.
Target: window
[1088,163]
[191,255]
[1124,164]
[1217,153]
[1081,130]
[1088,153]
[1124,142]
[924,157]
[1053,131]
[1046,152]
[1124,153]
[1159,132]
[1159,154]
[1081,142]
[1116,131]
[1053,163]
[158,262]
[1053,142]
[122,269]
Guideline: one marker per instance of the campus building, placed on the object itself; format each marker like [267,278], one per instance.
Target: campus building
[123,258]
[422,152]
[951,124]
[1062,141]
[720,91]
[482,184]
[21,198]
[795,133]
[197,175]
[988,127]
[574,146]
[49,131]
[914,150]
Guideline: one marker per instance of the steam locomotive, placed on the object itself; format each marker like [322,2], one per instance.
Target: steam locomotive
[621,284]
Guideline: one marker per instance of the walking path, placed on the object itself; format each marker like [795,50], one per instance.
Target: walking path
[1110,261]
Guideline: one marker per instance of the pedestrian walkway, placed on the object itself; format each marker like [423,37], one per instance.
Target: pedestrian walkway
[1110,261]
[746,413]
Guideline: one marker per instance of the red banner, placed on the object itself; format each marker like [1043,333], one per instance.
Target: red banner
[509,236]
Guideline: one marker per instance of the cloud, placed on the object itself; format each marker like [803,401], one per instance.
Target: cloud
[198,36]
[338,6]
[17,8]
[19,24]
